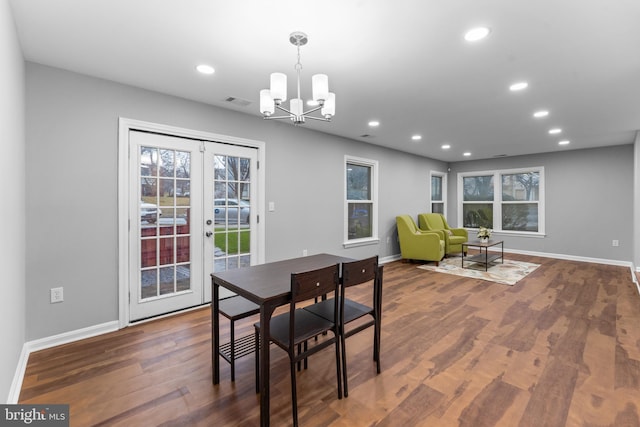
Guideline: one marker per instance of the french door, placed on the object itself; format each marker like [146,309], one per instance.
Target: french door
[193,212]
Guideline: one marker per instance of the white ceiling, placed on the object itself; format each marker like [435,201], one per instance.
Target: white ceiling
[402,62]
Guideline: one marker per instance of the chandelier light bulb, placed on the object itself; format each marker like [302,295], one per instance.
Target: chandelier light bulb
[279,87]
[329,108]
[320,87]
[267,106]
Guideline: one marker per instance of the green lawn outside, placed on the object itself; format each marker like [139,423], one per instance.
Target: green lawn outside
[229,241]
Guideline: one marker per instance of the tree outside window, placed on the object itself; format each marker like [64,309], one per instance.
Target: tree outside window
[437,193]
[360,208]
[516,206]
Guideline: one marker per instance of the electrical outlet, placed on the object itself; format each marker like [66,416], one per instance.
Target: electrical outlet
[304,252]
[615,243]
[57,295]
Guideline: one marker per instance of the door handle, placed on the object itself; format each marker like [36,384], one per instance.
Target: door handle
[208,234]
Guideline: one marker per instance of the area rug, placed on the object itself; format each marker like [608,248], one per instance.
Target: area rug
[508,273]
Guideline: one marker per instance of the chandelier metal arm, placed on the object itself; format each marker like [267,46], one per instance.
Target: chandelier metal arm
[281,108]
[312,110]
[322,119]
[275,117]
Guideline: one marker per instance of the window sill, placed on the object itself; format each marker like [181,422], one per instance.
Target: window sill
[361,242]
[534,235]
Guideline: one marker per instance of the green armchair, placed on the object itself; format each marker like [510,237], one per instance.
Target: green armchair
[417,244]
[453,237]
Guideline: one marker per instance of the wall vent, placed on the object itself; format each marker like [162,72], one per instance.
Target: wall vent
[238,101]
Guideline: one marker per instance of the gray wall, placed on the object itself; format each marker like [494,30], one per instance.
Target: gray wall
[72,140]
[12,210]
[589,201]
[72,124]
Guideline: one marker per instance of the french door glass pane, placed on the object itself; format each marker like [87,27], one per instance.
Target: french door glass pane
[231,212]
[164,222]
[437,208]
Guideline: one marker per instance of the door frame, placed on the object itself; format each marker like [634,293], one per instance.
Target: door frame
[124,187]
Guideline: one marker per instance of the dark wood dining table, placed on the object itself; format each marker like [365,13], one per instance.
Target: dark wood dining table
[269,286]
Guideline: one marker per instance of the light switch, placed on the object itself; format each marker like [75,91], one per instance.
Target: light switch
[272,206]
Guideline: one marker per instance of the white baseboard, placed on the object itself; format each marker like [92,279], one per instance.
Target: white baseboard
[48,342]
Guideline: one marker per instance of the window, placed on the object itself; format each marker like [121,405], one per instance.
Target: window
[438,192]
[517,205]
[361,209]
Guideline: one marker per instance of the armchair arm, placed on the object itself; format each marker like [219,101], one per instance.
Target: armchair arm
[442,235]
[460,232]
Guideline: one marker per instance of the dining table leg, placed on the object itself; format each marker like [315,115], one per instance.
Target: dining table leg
[266,311]
[215,329]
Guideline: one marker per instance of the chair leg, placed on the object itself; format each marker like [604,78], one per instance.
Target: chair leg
[294,395]
[232,347]
[376,343]
[306,348]
[338,362]
[344,364]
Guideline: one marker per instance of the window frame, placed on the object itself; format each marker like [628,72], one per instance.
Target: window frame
[443,176]
[498,202]
[373,165]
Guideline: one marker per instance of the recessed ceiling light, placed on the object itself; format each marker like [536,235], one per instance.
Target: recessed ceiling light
[205,69]
[564,142]
[466,154]
[445,146]
[555,131]
[374,123]
[540,114]
[475,34]
[518,86]
[416,137]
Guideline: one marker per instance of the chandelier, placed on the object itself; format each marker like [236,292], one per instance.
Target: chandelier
[273,98]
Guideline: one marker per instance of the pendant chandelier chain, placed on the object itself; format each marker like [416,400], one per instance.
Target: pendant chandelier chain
[298,68]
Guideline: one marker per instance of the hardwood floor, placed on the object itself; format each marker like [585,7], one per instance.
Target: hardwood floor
[560,348]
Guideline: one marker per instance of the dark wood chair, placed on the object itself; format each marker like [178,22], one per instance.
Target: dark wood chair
[236,308]
[361,272]
[292,330]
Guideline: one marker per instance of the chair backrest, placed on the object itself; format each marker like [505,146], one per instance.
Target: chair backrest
[434,221]
[361,271]
[309,285]
[314,283]
[406,225]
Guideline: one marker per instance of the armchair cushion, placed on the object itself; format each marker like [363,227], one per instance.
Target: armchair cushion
[418,244]
[453,237]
